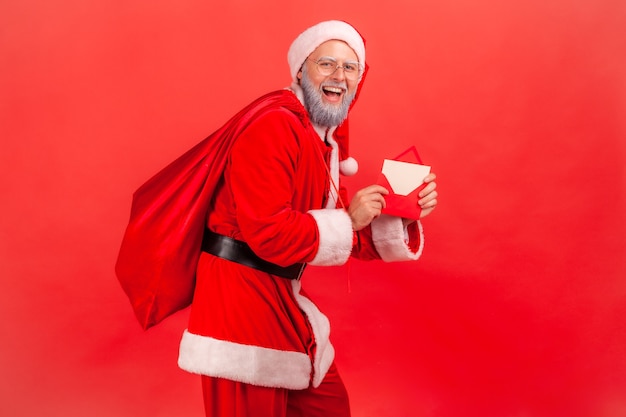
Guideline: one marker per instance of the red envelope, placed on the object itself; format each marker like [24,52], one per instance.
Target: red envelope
[404,177]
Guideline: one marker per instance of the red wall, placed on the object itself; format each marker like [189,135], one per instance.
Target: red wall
[518,304]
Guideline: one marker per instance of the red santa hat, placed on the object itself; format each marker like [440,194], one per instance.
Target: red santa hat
[304,45]
[316,35]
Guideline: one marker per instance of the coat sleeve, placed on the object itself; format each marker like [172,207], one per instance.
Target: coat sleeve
[262,172]
[263,178]
[387,239]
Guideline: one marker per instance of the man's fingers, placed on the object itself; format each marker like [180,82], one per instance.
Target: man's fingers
[429,197]
[430,177]
[428,189]
[375,188]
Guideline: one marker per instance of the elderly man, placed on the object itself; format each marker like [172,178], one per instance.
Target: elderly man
[261,346]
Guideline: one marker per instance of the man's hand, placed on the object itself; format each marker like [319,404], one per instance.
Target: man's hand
[428,199]
[366,205]
[428,196]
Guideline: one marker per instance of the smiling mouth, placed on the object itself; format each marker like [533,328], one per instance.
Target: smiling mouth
[333,93]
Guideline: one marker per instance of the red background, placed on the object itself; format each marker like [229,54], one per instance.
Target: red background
[517,306]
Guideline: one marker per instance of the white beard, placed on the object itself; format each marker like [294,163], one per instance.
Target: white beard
[321,113]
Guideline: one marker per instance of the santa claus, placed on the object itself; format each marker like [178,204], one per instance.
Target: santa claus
[260,344]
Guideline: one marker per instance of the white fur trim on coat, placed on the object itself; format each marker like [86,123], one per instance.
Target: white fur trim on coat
[389,238]
[244,363]
[335,232]
[325,352]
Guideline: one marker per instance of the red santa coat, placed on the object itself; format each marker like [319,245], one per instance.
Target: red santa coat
[276,195]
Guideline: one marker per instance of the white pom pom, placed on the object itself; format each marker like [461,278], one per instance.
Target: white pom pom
[348,166]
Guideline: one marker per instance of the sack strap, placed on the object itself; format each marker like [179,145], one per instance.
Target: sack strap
[237,251]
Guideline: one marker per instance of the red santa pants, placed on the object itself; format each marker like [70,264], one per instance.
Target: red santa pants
[225,398]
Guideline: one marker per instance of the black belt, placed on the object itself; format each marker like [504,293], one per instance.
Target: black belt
[238,251]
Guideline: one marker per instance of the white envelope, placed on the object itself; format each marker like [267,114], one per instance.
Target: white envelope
[404,177]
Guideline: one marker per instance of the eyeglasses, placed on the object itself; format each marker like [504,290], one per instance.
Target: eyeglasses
[328,65]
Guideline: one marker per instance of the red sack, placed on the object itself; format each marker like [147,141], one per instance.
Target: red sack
[157,261]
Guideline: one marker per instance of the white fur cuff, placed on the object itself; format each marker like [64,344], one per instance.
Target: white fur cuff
[335,231]
[389,239]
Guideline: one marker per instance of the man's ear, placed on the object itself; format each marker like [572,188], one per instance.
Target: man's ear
[299,76]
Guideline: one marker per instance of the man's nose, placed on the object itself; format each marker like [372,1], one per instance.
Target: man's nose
[339,73]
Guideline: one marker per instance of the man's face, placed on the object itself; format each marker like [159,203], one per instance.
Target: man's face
[327,97]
